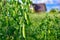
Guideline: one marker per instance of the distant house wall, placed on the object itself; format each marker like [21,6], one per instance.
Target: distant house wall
[39,7]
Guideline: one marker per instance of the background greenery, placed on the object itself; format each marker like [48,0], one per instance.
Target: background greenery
[17,22]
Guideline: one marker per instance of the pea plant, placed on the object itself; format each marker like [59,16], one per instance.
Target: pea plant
[14,19]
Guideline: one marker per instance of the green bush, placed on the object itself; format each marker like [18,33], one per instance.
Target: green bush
[54,11]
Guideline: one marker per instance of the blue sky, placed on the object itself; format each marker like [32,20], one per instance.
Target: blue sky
[50,4]
[53,4]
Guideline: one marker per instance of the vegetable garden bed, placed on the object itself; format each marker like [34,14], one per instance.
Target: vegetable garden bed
[18,23]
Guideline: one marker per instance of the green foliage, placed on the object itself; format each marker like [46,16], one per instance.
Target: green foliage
[14,19]
[44,27]
[54,11]
[17,24]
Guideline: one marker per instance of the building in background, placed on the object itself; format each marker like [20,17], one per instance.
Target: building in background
[38,7]
[50,4]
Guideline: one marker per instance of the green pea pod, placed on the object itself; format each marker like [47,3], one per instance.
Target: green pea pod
[23,30]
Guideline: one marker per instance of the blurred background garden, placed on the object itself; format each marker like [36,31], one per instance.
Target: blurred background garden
[29,20]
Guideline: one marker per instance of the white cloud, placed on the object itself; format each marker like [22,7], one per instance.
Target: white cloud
[39,1]
[58,1]
[50,1]
[53,1]
[44,1]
